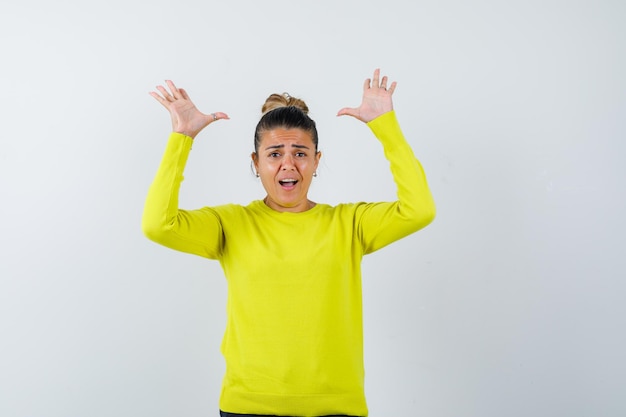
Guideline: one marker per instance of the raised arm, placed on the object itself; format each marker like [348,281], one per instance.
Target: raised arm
[193,231]
[383,223]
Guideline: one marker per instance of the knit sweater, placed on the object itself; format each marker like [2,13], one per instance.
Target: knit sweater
[293,343]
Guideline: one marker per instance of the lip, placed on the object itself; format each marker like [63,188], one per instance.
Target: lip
[287,186]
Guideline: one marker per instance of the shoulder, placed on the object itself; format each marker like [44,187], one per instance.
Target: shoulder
[344,209]
[229,210]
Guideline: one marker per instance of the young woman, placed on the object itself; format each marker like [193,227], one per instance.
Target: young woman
[293,343]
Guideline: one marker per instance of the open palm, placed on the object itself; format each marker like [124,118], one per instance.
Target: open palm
[186,118]
[376,99]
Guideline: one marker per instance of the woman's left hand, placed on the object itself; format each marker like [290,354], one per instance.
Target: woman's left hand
[376,99]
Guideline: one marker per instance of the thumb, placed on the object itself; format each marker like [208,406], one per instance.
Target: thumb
[348,111]
[219,116]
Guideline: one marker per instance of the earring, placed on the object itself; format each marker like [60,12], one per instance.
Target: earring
[315,174]
[257,175]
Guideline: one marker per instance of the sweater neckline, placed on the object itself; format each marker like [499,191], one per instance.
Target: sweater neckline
[260,204]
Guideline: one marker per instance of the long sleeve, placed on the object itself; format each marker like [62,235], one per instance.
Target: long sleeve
[383,223]
[197,232]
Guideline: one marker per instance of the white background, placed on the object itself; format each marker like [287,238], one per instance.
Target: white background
[510,304]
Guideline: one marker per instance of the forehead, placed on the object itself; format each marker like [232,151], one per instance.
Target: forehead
[281,136]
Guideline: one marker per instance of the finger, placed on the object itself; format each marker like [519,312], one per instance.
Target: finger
[184,94]
[173,89]
[366,84]
[156,96]
[376,77]
[348,111]
[160,99]
[166,94]
[392,88]
[219,116]
[383,82]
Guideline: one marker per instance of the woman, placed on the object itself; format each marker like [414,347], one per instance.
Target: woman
[293,343]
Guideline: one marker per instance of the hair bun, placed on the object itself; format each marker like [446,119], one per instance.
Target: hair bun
[276,101]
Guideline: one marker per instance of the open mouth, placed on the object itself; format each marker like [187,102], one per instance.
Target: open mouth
[288,183]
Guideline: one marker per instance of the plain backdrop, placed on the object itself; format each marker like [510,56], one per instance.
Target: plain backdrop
[510,304]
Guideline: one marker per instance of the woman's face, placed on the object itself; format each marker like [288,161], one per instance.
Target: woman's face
[285,162]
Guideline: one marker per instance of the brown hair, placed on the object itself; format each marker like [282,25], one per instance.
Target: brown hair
[282,110]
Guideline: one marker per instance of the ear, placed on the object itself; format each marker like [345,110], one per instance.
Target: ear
[318,156]
[255,162]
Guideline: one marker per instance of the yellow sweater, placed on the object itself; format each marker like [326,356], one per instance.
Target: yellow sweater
[293,343]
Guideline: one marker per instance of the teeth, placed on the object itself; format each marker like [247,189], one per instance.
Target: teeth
[288,180]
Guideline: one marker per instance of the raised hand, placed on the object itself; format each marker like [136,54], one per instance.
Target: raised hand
[376,99]
[186,118]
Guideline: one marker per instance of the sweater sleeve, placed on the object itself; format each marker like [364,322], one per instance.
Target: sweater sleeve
[383,223]
[198,232]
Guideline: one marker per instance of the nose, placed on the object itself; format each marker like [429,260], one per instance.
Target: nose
[287,163]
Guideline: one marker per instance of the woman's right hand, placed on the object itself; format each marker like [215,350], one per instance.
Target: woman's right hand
[186,118]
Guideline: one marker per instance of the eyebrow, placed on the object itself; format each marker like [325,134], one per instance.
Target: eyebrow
[282,146]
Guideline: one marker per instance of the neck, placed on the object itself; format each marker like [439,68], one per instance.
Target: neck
[304,206]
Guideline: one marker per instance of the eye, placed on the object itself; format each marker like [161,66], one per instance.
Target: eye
[300,154]
[274,154]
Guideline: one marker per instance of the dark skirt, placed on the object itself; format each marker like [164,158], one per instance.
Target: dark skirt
[225,414]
